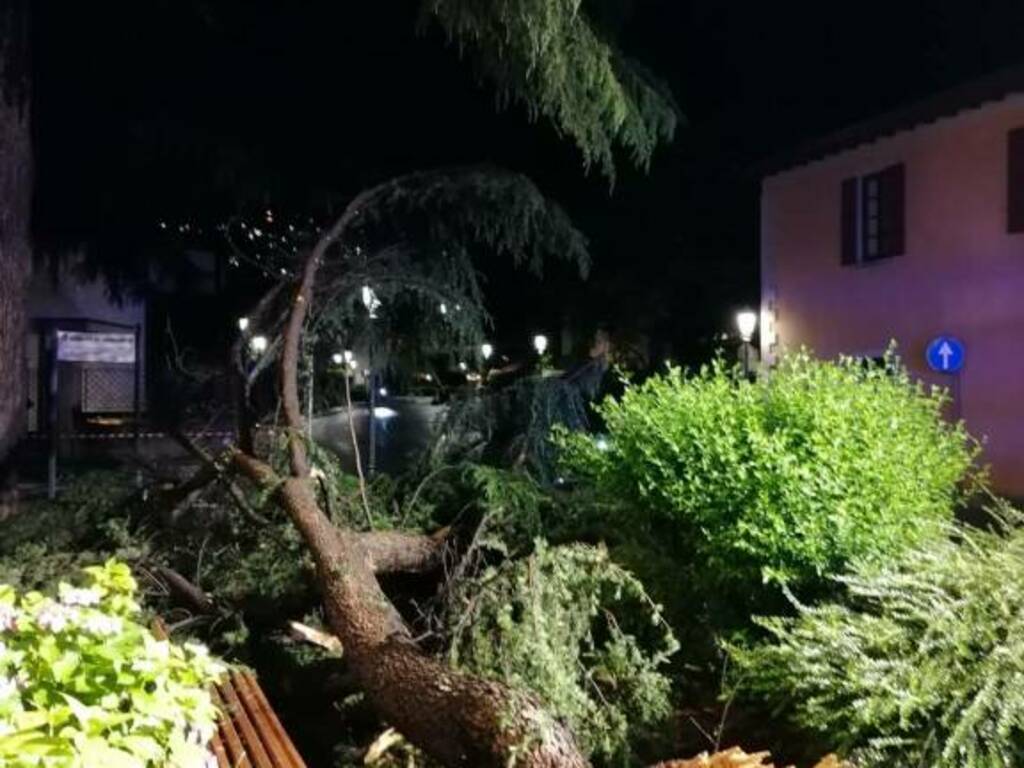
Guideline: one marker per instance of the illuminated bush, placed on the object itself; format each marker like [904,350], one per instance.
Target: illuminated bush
[786,479]
[83,684]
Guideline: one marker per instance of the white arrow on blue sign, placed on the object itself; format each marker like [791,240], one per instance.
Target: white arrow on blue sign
[945,354]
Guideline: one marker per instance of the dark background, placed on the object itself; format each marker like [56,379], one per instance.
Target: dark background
[190,111]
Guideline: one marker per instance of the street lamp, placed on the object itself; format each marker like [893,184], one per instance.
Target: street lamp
[746,323]
[486,350]
[243,324]
[540,343]
[337,359]
[370,301]
[258,344]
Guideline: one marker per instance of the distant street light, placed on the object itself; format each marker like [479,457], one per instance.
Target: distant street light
[540,343]
[347,356]
[258,344]
[337,358]
[486,350]
[243,324]
[370,301]
[746,323]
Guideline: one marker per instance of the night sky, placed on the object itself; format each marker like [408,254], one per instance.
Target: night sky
[151,110]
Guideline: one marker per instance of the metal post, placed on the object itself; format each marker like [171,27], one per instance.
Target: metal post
[371,382]
[746,359]
[137,404]
[958,408]
[51,415]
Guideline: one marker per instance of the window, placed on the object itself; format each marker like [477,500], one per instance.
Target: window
[872,216]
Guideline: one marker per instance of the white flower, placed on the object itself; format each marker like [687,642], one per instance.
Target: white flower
[54,617]
[85,597]
[101,624]
[198,650]
[8,618]
[8,687]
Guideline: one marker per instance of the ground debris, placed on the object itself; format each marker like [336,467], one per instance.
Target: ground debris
[737,758]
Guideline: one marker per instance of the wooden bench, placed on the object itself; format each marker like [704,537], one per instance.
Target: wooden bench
[249,733]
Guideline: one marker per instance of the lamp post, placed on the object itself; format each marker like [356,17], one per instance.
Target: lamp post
[746,323]
[486,351]
[372,303]
[540,344]
[258,344]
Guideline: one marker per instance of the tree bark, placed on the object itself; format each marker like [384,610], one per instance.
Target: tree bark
[15,210]
[458,719]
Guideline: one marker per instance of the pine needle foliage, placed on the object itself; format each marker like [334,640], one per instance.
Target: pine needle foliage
[512,425]
[922,664]
[418,242]
[580,632]
[549,56]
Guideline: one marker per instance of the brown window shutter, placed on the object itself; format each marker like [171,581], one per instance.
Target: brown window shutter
[893,220]
[1015,181]
[848,222]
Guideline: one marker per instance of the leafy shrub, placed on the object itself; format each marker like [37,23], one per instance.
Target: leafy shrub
[788,478]
[83,684]
[577,630]
[922,664]
[87,523]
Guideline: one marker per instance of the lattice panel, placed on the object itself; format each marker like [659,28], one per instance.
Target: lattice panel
[108,389]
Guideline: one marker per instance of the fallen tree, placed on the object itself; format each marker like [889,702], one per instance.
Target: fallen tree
[456,718]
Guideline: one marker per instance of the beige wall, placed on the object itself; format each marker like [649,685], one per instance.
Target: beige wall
[961,273]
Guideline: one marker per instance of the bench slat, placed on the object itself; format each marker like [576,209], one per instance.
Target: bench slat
[217,746]
[253,745]
[237,757]
[274,736]
[249,733]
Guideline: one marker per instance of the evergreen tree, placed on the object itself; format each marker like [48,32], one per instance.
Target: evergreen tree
[551,56]
[15,207]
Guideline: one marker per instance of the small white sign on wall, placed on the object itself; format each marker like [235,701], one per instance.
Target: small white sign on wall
[87,347]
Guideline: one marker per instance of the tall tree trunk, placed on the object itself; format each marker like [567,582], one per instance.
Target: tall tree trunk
[15,211]
[459,719]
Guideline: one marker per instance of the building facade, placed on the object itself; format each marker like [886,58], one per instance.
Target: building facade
[905,229]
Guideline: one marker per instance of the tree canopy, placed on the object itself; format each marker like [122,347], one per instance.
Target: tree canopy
[550,56]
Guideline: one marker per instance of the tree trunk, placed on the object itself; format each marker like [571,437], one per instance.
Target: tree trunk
[458,719]
[15,210]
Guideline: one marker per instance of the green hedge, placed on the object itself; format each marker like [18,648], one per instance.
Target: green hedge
[785,479]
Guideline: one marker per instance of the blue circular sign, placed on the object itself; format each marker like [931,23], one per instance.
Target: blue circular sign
[945,354]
